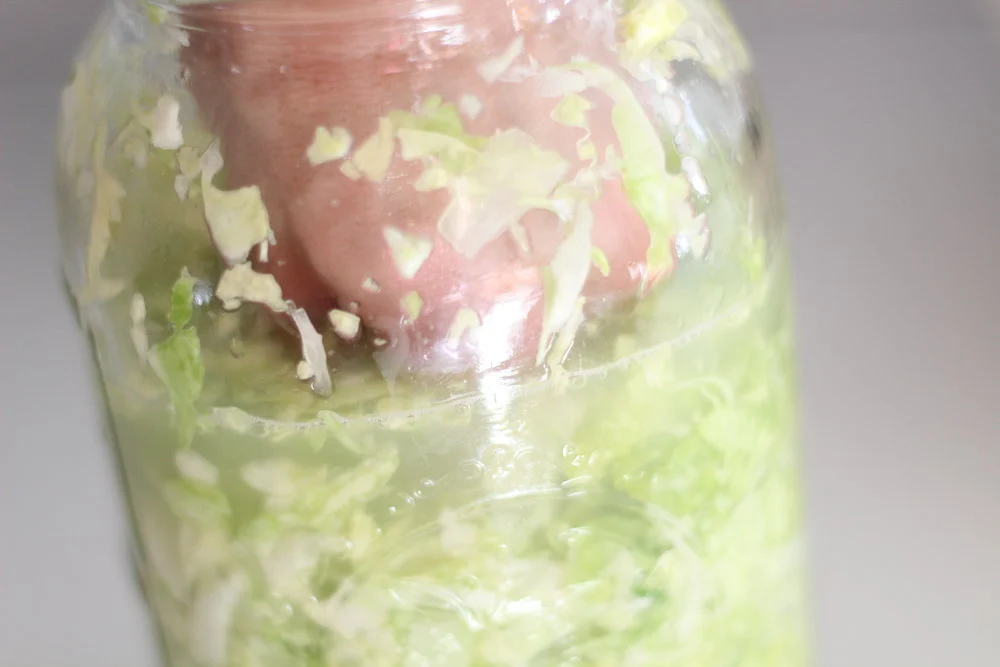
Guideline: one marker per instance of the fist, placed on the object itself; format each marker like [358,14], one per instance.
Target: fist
[368,236]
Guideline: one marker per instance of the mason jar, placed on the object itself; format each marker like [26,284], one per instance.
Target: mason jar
[440,332]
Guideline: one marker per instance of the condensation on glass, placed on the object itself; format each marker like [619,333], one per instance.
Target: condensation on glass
[440,332]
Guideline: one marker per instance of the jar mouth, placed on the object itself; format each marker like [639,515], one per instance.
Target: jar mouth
[305,17]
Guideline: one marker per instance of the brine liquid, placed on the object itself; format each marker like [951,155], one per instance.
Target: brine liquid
[640,513]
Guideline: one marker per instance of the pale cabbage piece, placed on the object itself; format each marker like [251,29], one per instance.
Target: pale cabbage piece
[492,69]
[436,131]
[661,198]
[263,251]
[315,495]
[304,371]
[373,157]
[195,467]
[433,178]
[278,478]
[560,82]
[362,532]
[586,149]
[288,562]
[360,484]
[106,211]
[140,339]
[466,320]
[346,325]
[565,277]
[182,186]
[241,283]
[177,361]
[692,169]
[172,36]
[572,111]
[416,144]
[369,285]
[329,145]
[158,15]
[211,618]
[195,503]
[188,166]
[470,106]
[182,298]
[350,171]
[412,304]
[408,251]
[313,352]
[695,238]
[137,150]
[649,24]
[600,261]
[458,537]
[164,124]
[655,34]
[489,198]
[359,624]
[237,219]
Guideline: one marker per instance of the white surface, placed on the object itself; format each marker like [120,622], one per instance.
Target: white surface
[890,148]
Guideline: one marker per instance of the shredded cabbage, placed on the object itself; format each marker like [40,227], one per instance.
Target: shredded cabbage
[313,352]
[346,325]
[412,303]
[164,124]
[373,157]
[636,518]
[211,618]
[651,23]
[489,198]
[237,219]
[196,468]
[661,198]
[600,261]
[566,275]
[140,339]
[470,106]
[491,179]
[572,111]
[178,362]
[304,371]
[349,170]
[241,283]
[558,82]
[106,211]
[408,251]
[466,320]
[188,167]
[493,69]
[328,145]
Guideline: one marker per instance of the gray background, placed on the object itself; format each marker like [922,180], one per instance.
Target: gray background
[886,116]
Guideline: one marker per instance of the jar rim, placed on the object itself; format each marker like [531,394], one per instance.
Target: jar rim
[252,15]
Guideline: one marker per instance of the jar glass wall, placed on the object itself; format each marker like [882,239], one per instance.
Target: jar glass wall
[440,332]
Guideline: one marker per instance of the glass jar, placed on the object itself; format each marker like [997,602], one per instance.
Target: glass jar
[383,395]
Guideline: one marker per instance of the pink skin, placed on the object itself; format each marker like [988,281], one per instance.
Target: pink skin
[266,73]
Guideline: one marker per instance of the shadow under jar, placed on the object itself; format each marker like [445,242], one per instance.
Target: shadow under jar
[440,332]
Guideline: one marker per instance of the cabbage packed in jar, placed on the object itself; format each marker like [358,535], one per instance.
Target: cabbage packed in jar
[440,332]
